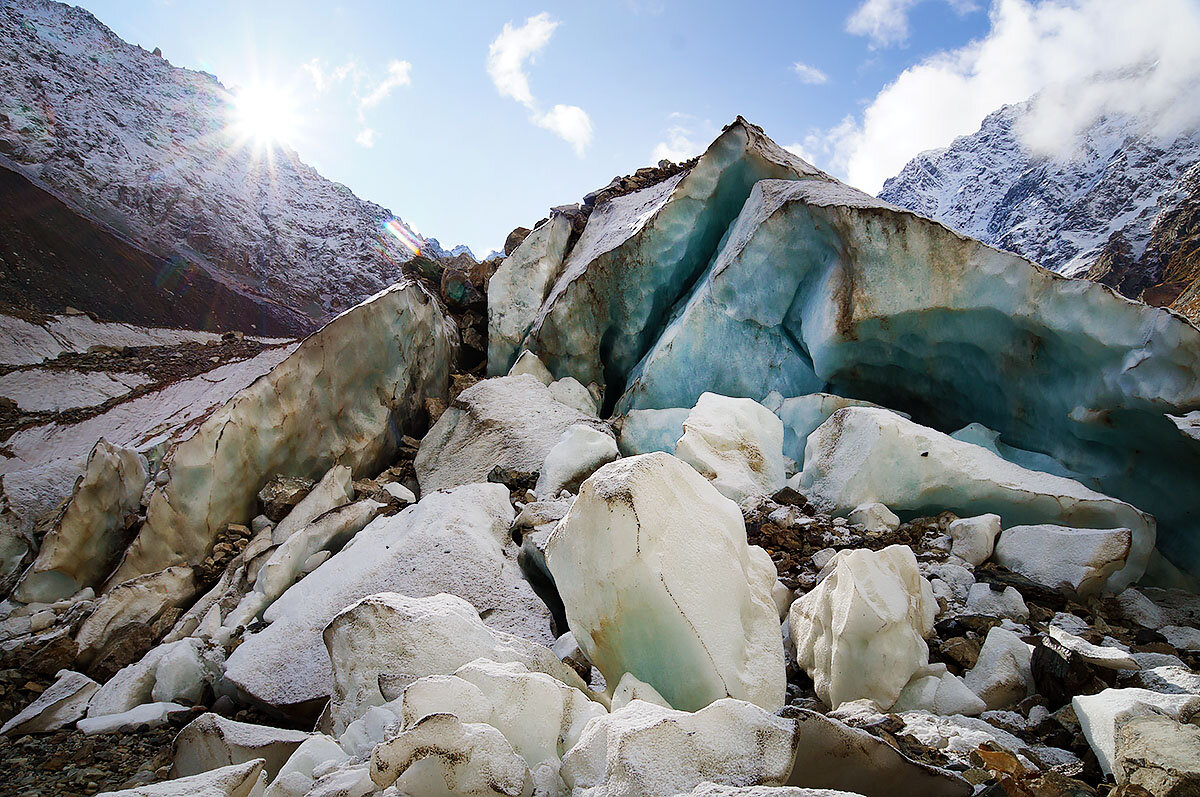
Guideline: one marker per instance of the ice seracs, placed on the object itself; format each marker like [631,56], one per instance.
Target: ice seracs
[658,581]
[861,632]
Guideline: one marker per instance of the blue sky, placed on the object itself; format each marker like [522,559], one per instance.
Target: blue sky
[397,101]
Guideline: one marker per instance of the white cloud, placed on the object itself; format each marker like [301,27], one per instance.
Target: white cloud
[809,74]
[1087,57]
[801,151]
[678,147]
[507,57]
[366,138]
[399,73]
[509,52]
[568,122]
[885,22]
[324,79]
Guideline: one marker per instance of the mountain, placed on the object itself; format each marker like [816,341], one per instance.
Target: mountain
[1059,211]
[144,148]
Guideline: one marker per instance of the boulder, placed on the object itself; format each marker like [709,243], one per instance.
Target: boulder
[735,443]
[861,632]
[874,517]
[643,748]
[211,741]
[453,541]
[344,396]
[862,454]
[63,702]
[519,286]
[1101,715]
[136,602]
[832,755]
[974,538]
[1159,754]
[278,496]
[1001,675]
[653,568]
[568,391]
[939,692]
[440,754]
[334,489]
[528,363]
[511,422]
[1077,560]
[389,641]
[87,535]
[986,599]
[578,453]
[296,776]
[239,780]
[151,715]
[708,789]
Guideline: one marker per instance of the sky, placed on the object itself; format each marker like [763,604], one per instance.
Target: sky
[467,119]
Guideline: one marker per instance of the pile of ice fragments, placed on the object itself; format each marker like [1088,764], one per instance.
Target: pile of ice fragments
[773,490]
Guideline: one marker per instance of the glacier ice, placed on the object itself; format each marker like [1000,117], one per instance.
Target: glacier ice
[87,536]
[343,396]
[861,632]
[639,253]
[211,741]
[810,286]
[517,289]
[396,639]
[454,541]
[863,454]
[1080,560]
[735,443]
[657,579]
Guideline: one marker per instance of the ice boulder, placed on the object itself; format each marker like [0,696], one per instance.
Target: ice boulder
[529,363]
[801,415]
[1078,560]
[1101,715]
[134,604]
[974,538]
[862,454]
[440,754]
[540,716]
[344,396]
[334,489]
[401,639]
[88,534]
[64,702]
[454,541]
[861,632]
[578,453]
[238,780]
[936,690]
[639,253]
[735,443]
[509,421]
[211,741]
[657,579]
[644,431]
[648,749]
[1002,674]
[517,289]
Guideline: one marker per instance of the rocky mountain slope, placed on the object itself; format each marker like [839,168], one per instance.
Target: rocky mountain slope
[775,488]
[145,148]
[1060,211]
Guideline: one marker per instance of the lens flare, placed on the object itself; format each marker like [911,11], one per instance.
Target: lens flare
[401,232]
[264,116]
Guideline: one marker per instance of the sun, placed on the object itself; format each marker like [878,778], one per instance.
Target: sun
[264,116]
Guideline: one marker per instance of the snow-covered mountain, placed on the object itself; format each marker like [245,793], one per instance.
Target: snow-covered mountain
[145,148]
[1059,211]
